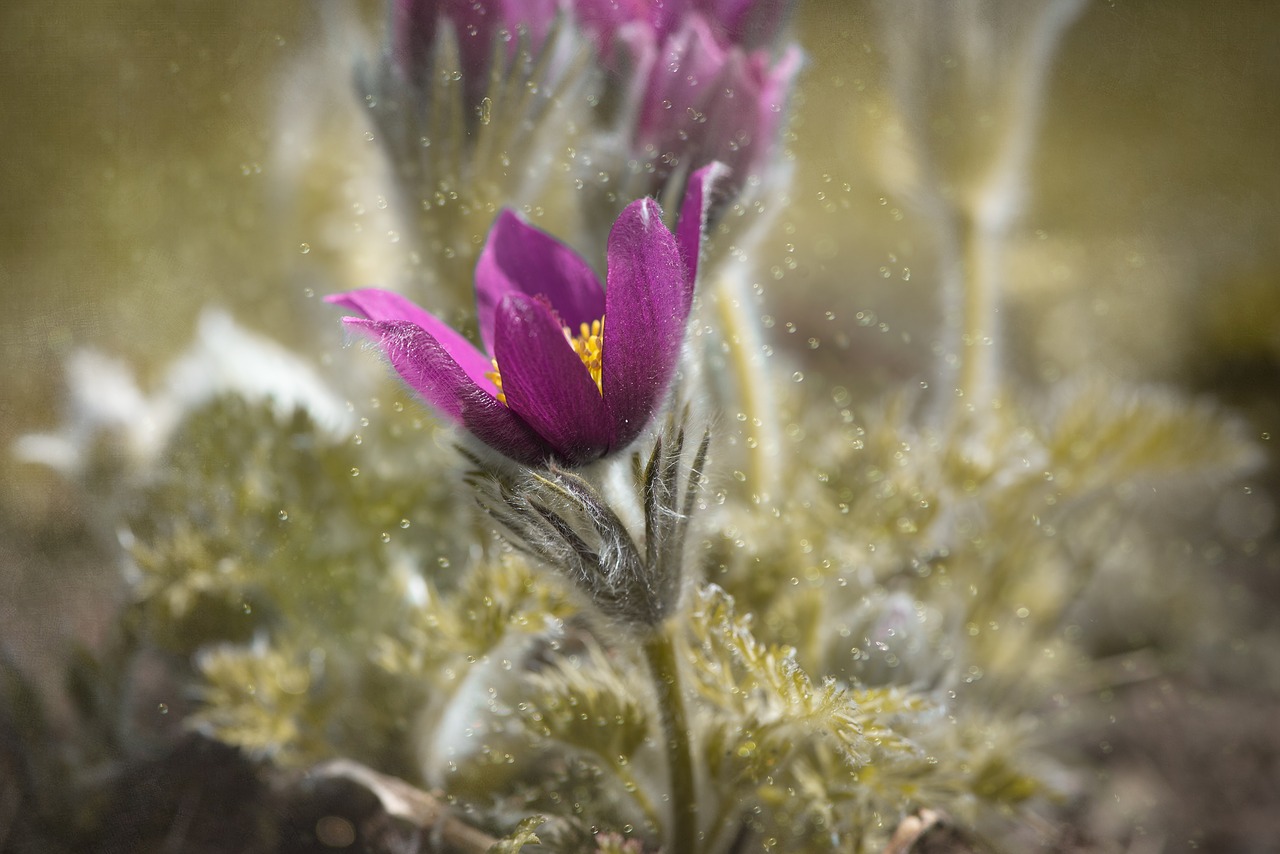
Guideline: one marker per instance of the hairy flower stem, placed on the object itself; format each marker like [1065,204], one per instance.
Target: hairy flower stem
[979,368]
[754,393]
[660,652]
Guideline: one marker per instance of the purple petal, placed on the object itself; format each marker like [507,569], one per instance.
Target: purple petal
[546,383]
[413,35]
[521,259]
[751,23]
[431,371]
[380,305]
[645,313]
[679,84]
[692,224]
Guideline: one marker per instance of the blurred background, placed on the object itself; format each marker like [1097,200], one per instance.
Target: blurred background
[160,158]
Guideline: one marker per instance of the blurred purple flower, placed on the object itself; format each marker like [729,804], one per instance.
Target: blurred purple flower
[707,99]
[703,76]
[701,72]
[557,386]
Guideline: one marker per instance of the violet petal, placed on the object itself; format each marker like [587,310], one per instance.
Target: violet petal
[380,305]
[692,224]
[645,315]
[431,371]
[518,258]
[546,384]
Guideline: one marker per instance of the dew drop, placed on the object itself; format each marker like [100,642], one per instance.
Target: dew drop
[304,248]
[283,515]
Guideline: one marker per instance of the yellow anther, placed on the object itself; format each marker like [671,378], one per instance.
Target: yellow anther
[496,379]
[589,345]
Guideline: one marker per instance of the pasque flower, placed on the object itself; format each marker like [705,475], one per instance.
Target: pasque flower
[572,371]
[705,84]
[707,98]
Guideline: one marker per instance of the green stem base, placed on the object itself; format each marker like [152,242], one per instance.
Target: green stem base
[660,652]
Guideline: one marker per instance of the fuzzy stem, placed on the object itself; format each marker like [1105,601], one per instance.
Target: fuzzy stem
[660,652]
[980,307]
[752,384]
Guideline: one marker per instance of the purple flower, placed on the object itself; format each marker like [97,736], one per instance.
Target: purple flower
[707,99]
[701,71]
[707,85]
[556,383]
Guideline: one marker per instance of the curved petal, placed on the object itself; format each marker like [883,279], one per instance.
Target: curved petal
[645,315]
[692,225]
[431,371]
[518,258]
[385,306]
[546,384]
[678,85]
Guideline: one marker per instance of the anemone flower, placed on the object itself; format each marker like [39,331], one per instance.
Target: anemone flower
[705,99]
[555,385]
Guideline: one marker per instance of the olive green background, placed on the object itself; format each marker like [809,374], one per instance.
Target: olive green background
[156,158]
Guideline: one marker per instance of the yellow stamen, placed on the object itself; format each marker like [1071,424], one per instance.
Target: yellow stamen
[496,378]
[588,344]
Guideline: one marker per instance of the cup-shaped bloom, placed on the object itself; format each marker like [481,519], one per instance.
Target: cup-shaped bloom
[573,371]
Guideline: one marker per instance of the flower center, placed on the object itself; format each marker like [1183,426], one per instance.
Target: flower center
[588,344]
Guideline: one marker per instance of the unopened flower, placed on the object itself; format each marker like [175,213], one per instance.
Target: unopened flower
[706,84]
[701,74]
[707,99]
[573,371]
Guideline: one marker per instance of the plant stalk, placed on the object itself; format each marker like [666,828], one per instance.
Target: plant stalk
[660,652]
[980,252]
[754,394]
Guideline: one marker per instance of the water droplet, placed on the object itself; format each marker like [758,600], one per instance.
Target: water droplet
[283,515]
[404,523]
[304,248]
[163,708]
[355,472]
[386,538]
